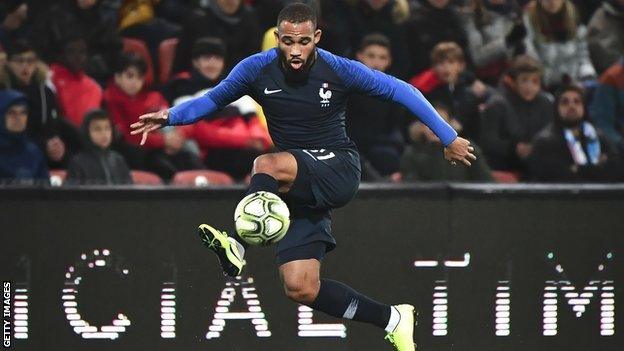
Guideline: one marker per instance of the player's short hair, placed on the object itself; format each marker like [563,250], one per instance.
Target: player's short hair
[208,46]
[130,60]
[297,13]
[524,64]
[375,39]
[447,51]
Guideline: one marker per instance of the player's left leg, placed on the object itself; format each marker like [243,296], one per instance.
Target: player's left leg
[302,284]
[275,173]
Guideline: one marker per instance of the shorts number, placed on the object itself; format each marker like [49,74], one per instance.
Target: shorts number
[320,154]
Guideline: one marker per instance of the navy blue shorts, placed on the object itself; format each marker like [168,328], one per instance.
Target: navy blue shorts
[326,179]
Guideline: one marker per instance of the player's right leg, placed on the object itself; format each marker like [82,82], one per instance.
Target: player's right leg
[302,284]
[275,173]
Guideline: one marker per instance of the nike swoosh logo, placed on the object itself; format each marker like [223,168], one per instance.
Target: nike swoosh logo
[269,92]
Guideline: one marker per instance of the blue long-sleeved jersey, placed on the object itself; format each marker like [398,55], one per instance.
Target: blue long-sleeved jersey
[312,114]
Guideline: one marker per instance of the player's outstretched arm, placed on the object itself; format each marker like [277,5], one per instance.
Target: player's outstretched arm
[149,122]
[358,77]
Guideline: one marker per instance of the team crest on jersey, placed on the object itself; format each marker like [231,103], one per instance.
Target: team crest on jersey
[325,95]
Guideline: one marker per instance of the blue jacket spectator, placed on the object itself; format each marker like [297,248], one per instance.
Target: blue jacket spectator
[20,159]
[607,108]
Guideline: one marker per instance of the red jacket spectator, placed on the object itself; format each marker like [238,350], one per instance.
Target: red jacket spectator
[229,133]
[77,93]
[126,109]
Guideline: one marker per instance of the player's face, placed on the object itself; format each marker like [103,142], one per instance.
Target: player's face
[23,66]
[570,108]
[376,57]
[210,66]
[449,70]
[528,85]
[297,41]
[16,118]
[101,133]
[130,81]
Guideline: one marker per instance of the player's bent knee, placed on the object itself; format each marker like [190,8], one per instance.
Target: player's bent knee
[304,292]
[276,165]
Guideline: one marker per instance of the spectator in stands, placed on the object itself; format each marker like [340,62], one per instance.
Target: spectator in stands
[97,163]
[232,21]
[20,159]
[232,139]
[68,18]
[13,25]
[433,22]
[422,162]
[456,87]
[571,148]
[511,119]
[388,18]
[495,34]
[126,99]
[605,38]
[607,108]
[372,124]
[57,153]
[76,91]
[25,73]
[173,158]
[555,37]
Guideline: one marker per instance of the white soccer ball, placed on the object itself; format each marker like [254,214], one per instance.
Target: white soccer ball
[261,218]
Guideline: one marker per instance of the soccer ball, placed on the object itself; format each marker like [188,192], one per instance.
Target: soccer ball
[261,218]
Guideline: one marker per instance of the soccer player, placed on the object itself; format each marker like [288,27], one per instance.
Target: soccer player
[303,91]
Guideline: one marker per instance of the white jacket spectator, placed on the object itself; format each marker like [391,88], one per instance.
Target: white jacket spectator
[555,37]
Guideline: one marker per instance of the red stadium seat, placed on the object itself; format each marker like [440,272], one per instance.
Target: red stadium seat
[505,177]
[138,46]
[57,177]
[166,55]
[145,178]
[201,178]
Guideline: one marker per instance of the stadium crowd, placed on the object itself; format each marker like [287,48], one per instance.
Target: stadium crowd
[537,86]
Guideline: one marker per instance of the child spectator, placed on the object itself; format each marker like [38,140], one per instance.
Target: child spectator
[77,93]
[422,160]
[126,99]
[97,163]
[456,87]
[607,108]
[232,139]
[20,159]
[557,39]
[511,119]
[25,73]
[571,148]
[604,37]
[372,124]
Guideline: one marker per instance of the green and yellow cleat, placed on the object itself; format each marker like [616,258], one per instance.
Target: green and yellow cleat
[402,338]
[228,250]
